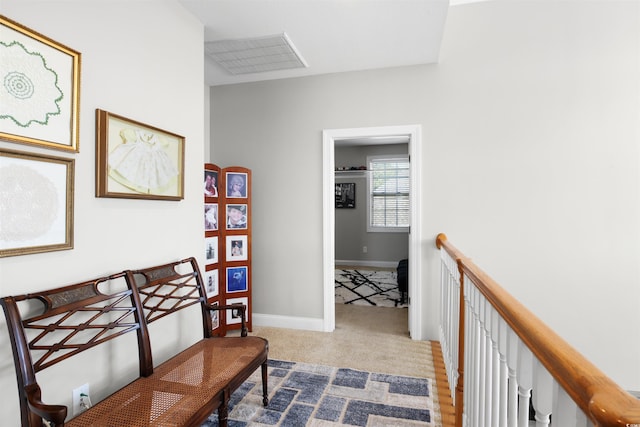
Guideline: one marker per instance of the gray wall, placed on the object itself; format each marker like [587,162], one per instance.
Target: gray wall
[530,155]
[351,224]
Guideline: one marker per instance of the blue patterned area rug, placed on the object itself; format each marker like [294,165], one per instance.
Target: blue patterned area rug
[368,287]
[302,394]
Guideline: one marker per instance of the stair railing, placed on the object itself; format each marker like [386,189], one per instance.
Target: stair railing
[504,364]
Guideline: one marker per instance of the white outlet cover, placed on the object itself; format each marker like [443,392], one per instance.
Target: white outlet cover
[83,389]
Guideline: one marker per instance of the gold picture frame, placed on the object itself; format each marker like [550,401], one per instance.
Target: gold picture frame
[40,96]
[36,207]
[137,161]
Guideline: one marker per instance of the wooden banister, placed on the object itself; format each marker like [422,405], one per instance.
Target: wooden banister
[602,400]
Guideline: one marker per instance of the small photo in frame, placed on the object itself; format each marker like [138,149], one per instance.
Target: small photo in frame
[233,315]
[210,216]
[237,217]
[237,279]
[137,161]
[345,195]
[236,184]
[236,248]
[215,318]
[211,283]
[211,250]
[36,206]
[41,89]
[210,183]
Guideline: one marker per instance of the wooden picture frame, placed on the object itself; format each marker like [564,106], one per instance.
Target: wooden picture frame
[123,145]
[39,104]
[40,219]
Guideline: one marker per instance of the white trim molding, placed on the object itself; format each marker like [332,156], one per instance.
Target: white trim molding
[288,322]
[329,136]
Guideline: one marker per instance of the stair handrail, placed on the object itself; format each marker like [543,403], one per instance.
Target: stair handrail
[603,401]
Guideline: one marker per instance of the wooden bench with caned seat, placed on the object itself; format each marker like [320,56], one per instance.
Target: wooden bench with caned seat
[182,391]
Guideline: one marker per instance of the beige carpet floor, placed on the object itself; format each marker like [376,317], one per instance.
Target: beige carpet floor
[374,339]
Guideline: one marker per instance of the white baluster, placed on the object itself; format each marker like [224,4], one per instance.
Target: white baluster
[512,363]
[525,382]
[542,394]
[494,331]
[482,397]
[565,411]
[477,395]
[502,351]
[470,354]
[455,323]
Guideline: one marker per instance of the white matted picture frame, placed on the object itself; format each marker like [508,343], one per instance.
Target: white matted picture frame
[137,161]
[210,183]
[237,279]
[236,248]
[41,80]
[210,216]
[236,217]
[215,317]
[233,315]
[36,207]
[236,185]
[211,250]
[211,283]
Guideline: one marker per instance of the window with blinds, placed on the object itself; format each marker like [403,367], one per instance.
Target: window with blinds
[388,188]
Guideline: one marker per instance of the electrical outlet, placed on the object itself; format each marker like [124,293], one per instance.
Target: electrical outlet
[77,400]
[364,249]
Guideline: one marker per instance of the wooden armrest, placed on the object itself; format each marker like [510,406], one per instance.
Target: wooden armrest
[55,414]
[240,307]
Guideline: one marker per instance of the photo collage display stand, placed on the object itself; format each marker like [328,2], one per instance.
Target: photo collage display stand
[227,225]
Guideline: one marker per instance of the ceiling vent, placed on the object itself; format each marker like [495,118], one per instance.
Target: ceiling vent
[255,55]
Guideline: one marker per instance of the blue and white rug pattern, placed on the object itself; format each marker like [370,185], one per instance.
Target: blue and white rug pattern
[302,394]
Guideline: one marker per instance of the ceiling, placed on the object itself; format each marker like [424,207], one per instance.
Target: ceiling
[331,35]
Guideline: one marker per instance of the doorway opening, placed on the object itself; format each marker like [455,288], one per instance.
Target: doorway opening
[371,136]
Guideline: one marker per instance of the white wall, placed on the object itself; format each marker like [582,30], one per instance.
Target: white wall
[538,120]
[142,60]
[530,130]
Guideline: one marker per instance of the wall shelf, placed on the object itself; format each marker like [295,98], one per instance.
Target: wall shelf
[351,173]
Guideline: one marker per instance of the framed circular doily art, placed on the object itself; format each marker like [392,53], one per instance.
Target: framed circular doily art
[39,89]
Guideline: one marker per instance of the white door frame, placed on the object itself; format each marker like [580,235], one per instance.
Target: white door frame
[329,136]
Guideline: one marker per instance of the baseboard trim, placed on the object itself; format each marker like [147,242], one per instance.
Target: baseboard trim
[383,264]
[288,322]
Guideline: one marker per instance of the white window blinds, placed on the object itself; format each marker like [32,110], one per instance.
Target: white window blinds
[389,203]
